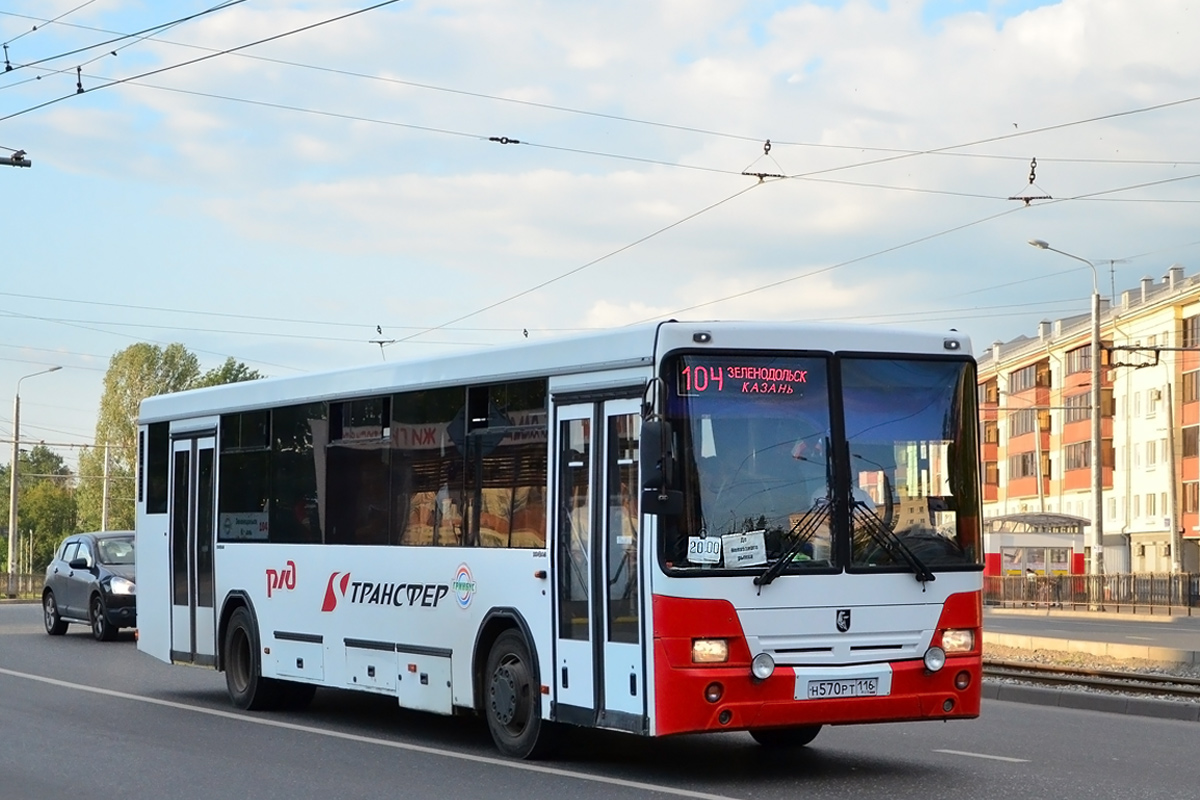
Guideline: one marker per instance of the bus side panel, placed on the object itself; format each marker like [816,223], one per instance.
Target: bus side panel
[393,620]
[153,579]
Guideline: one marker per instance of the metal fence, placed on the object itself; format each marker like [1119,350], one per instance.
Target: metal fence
[27,586]
[1147,593]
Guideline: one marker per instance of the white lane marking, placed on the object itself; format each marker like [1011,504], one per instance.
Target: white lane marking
[1141,638]
[984,755]
[352,737]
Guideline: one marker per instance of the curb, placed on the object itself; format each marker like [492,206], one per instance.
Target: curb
[1024,642]
[1089,701]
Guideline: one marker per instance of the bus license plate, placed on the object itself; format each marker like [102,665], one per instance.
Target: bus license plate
[857,687]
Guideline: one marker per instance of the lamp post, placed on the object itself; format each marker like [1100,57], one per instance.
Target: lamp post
[1097,562]
[12,474]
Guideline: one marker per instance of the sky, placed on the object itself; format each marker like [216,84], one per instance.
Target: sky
[313,185]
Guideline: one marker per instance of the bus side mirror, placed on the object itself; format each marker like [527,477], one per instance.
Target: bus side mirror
[658,470]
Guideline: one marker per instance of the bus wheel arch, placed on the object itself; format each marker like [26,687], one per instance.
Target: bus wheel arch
[241,652]
[508,685]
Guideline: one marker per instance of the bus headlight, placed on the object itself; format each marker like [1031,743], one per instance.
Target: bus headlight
[958,640]
[710,651]
[935,659]
[762,666]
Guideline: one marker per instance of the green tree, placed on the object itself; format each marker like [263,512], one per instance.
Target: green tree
[48,514]
[135,373]
[229,372]
[45,502]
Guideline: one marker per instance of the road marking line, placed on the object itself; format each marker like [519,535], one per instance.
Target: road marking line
[352,737]
[984,755]
[1141,638]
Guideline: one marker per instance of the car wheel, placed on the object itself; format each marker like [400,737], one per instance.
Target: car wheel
[512,702]
[786,737]
[248,689]
[102,629]
[55,625]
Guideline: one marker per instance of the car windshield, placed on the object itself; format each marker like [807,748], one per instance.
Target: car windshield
[116,551]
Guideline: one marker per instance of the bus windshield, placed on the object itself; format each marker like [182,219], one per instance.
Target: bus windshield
[776,466]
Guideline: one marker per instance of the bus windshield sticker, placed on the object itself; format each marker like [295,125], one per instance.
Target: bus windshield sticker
[704,549]
[747,549]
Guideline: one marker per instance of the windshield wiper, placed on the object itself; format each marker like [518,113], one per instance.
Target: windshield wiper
[887,539]
[804,530]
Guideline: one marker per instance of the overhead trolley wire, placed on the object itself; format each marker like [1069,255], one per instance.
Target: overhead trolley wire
[139,35]
[900,152]
[209,56]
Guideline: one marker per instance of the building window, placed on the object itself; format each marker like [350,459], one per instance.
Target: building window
[1191,331]
[1077,456]
[989,392]
[1151,453]
[1191,441]
[1028,377]
[1027,420]
[1112,507]
[1151,510]
[1021,465]
[1137,506]
[1191,497]
[1078,407]
[1079,359]
[991,473]
[991,432]
[1191,386]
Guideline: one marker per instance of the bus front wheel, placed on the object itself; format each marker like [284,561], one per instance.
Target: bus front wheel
[786,737]
[248,689]
[512,701]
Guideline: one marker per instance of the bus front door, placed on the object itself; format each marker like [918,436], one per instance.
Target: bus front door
[193,637]
[599,671]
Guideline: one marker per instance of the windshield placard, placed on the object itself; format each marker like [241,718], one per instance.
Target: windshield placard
[704,549]
[747,549]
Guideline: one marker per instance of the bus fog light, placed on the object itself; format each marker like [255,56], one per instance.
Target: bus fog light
[935,659]
[713,692]
[948,706]
[962,680]
[958,640]
[762,666]
[710,651]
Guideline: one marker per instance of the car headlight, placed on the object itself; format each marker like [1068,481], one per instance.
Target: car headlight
[122,586]
[710,651]
[958,640]
[935,659]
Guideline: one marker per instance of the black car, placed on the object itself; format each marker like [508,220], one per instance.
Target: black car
[90,580]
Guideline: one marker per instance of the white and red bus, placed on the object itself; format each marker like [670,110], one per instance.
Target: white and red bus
[663,529]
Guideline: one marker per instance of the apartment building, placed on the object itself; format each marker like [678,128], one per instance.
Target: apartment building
[1035,424]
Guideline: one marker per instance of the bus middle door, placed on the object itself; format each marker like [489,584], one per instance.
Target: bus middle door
[193,622]
[599,671]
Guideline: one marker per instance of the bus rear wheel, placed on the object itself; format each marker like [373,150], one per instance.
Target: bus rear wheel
[512,700]
[786,737]
[248,689]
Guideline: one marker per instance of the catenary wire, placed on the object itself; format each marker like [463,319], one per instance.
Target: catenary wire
[208,57]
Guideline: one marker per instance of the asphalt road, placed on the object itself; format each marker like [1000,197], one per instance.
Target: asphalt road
[1182,633]
[80,718]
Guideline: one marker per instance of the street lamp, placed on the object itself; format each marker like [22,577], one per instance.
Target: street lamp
[1097,563]
[12,490]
